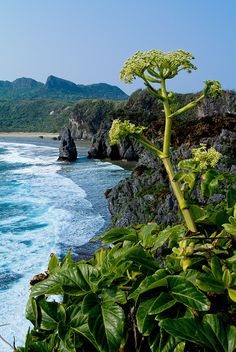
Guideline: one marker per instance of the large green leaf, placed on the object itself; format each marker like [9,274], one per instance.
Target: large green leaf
[206,187]
[218,328]
[106,321]
[186,292]
[119,235]
[177,231]
[146,323]
[197,212]
[231,197]
[73,280]
[231,336]
[210,284]
[188,164]
[162,302]
[156,280]
[231,228]
[53,263]
[32,311]
[167,342]
[142,258]
[147,234]
[39,347]
[51,314]
[190,329]
[136,254]
[79,323]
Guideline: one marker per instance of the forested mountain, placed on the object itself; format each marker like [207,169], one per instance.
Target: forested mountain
[59,89]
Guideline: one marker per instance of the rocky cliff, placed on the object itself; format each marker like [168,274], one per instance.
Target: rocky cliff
[92,120]
[146,195]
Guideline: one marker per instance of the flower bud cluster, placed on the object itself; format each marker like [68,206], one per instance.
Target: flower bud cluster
[157,63]
[206,158]
[121,129]
[212,88]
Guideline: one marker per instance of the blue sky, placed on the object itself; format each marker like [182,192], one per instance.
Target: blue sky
[87,41]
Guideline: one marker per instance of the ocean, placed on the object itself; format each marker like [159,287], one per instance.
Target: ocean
[45,206]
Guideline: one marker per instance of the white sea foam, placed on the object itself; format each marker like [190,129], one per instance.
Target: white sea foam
[48,211]
[108,166]
[25,153]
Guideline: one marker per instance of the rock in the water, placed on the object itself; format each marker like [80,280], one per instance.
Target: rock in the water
[67,150]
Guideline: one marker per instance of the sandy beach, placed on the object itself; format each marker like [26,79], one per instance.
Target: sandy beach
[29,134]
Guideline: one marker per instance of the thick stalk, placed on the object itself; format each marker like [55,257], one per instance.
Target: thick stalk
[179,195]
[168,124]
[175,186]
[169,169]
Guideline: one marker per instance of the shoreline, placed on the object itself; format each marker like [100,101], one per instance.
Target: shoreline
[29,134]
[125,164]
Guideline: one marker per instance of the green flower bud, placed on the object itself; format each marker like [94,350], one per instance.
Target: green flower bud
[212,89]
[121,129]
[206,158]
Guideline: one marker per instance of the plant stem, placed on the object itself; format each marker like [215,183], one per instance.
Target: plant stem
[168,124]
[168,166]
[179,195]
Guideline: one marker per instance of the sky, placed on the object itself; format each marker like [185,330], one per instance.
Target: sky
[87,41]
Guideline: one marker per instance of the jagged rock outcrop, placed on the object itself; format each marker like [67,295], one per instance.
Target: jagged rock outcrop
[147,196]
[223,106]
[91,120]
[127,148]
[67,149]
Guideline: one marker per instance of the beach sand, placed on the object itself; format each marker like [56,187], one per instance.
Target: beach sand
[29,134]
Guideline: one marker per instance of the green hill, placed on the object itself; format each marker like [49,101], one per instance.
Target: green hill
[34,115]
[57,89]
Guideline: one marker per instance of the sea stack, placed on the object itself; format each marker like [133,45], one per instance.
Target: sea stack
[67,149]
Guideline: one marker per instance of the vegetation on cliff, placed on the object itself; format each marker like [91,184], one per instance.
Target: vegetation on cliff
[153,289]
[34,115]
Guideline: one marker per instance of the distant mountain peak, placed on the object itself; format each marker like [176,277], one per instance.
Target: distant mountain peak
[61,84]
[26,83]
[58,88]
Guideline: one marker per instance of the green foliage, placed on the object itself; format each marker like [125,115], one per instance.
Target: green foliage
[34,116]
[138,295]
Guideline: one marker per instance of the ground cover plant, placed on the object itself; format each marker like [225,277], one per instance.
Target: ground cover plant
[150,288]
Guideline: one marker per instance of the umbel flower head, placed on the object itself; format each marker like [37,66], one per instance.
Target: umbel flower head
[206,158]
[156,64]
[121,129]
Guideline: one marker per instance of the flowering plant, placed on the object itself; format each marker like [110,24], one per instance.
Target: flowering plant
[155,67]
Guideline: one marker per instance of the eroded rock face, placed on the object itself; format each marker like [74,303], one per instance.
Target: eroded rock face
[147,196]
[67,149]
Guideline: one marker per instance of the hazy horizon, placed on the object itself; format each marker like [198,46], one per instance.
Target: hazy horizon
[88,42]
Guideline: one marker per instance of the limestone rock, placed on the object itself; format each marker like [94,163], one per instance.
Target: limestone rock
[67,149]
[147,196]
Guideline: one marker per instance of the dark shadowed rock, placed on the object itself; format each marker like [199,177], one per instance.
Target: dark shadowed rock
[67,149]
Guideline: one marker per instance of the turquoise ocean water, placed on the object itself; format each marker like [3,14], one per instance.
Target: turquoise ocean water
[45,206]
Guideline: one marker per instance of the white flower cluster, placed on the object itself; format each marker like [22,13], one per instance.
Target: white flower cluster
[121,129]
[157,63]
[206,158]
